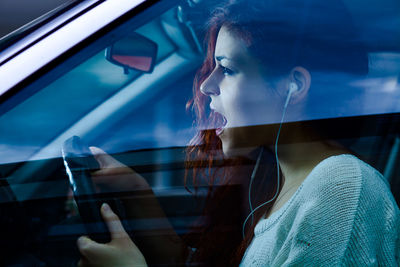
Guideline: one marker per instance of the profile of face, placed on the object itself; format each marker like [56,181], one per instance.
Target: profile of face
[241,94]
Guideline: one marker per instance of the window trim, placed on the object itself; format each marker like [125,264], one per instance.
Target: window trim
[54,45]
[19,40]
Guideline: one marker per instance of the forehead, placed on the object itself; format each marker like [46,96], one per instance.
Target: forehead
[230,46]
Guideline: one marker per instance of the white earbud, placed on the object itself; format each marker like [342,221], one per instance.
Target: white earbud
[292,88]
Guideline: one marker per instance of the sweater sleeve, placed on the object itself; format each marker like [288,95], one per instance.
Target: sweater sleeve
[349,218]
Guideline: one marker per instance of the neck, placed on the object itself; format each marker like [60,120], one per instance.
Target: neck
[298,160]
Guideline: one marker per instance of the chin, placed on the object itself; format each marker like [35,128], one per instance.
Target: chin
[235,142]
[231,151]
[227,148]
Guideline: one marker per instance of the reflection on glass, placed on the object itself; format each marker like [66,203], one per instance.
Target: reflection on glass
[266,148]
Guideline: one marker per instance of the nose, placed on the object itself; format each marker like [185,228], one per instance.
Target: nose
[210,86]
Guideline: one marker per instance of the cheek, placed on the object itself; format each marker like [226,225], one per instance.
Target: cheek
[249,102]
[253,109]
[236,110]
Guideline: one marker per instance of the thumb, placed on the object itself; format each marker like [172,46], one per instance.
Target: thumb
[104,160]
[89,248]
[113,223]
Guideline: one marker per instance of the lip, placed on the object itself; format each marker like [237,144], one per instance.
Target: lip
[220,130]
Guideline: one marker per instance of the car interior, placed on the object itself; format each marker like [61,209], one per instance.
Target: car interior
[135,111]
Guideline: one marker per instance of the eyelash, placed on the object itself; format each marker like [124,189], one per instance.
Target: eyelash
[226,71]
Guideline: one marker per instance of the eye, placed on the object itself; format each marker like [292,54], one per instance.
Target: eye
[226,71]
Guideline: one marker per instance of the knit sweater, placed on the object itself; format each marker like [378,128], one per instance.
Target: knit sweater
[342,214]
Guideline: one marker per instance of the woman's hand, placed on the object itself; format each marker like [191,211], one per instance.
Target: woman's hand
[115,176]
[119,252]
[162,248]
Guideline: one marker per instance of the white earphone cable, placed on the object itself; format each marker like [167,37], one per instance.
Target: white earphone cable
[253,174]
[277,168]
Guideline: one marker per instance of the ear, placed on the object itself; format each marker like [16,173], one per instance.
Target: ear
[302,78]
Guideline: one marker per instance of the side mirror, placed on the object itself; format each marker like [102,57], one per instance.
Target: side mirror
[133,52]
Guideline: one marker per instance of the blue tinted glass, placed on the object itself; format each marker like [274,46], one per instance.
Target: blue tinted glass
[92,98]
[266,134]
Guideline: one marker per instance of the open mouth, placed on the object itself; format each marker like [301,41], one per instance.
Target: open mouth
[219,130]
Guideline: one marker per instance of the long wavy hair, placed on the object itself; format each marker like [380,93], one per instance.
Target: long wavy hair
[318,35]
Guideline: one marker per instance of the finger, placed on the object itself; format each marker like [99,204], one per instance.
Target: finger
[83,263]
[104,160]
[110,171]
[113,223]
[96,150]
[89,248]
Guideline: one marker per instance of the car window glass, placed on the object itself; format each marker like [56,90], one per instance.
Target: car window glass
[205,134]
[58,106]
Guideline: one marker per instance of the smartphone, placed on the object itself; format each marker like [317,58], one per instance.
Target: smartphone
[79,163]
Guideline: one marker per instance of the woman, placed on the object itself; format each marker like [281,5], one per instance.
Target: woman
[269,62]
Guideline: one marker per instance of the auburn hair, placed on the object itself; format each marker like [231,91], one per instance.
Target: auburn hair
[205,153]
[281,35]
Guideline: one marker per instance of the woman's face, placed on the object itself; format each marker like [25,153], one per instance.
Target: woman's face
[240,94]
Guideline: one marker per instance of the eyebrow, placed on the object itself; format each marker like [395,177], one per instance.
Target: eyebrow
[232,60]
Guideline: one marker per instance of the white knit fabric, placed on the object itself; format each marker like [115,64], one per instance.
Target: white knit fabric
[343,214]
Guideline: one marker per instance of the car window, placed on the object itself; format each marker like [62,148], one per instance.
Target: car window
[101,82]
[152,122]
